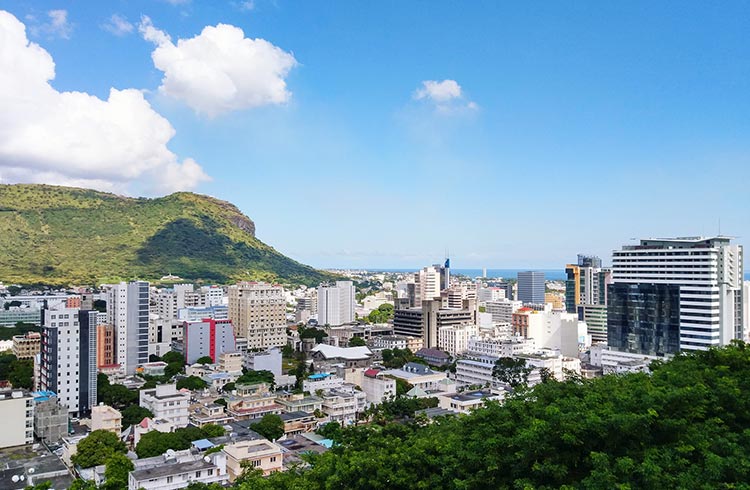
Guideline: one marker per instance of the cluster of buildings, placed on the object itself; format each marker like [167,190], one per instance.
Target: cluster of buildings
[659,297]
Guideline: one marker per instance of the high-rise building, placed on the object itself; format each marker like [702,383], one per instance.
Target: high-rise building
[258,313]
[431,281]
[674,294]
[746,310]
[531,287]
[207,338]
[426,320]
[336,303]
[68,358]
[127,312]
[586,283]
[105,345]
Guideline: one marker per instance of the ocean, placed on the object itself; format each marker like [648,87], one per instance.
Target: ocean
[549,274]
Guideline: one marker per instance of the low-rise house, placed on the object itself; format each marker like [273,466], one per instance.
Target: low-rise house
[259,454]
[294,447]
[50,417]
[300,403]
[252,402]
[434,357]
[153,368]
[104,417]
[418,375]
[27,346]
[466,402]
[148,424]
[298,422]
[208,413]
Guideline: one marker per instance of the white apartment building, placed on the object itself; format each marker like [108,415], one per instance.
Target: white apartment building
[454,339]
[746,310]
[67,361]
[701,276]
[258,313]
[614,362]
[17,414]
[128,312]
[502,310]
[343,404]
[169,473]
[501,347]
[167,403]
[104,417]
[377,386]
[490,294]
[336,303]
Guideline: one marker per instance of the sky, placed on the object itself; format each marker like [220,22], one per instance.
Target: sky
[385,134]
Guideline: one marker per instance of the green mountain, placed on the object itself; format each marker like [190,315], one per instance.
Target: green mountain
[63,235]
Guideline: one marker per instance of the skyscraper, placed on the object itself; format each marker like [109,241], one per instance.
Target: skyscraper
[673,294]
[531,287]
[431,280]
[586,283]
[68,358]
[127,312]
[258,313]
[336,303]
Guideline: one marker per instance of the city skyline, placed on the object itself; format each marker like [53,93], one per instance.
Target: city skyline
[531,133]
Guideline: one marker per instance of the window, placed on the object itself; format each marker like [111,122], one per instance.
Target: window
[256,463]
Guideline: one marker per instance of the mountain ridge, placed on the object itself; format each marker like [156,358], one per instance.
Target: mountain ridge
[57,235]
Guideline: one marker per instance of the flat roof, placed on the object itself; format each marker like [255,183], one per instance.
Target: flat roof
[171,469]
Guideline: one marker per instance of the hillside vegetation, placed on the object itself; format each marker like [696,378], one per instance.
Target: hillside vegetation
[62,235]
[687,425]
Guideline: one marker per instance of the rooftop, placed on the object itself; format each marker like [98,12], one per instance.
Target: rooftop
[171,469]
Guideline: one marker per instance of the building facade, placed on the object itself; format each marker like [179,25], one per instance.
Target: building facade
[531,287]
[258,313]
[674,294]
[336,303]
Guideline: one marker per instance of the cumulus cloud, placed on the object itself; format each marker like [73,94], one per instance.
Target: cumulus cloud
[56,26]
[446,95]
[73,138]
[118,25]
[220,70]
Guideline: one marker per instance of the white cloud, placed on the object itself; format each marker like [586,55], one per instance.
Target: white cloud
[247,5]
[446,95]
[178,2]
[118,25]
[73,138]
[57,26]
[220,70]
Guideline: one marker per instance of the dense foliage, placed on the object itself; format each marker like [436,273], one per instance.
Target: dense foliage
[686,425]
[134,414]
[45,230]
[19,372]
[97,448]
[117,396]
[21,328]
[191,383]
[381,314]
[155,443]
[251,377]
[396,358]
[270,426]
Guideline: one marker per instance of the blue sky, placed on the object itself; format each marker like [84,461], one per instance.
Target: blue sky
[579,125]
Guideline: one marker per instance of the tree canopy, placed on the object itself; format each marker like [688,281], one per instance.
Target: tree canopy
[155,443]
[270,426]
[134,414]
[685,425]
[96,448]
[382,314]
[191,383]
[357,342]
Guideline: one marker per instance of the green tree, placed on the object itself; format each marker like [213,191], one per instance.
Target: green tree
[512,371]
[357,342]
[191,383]
[331,430]
[95,448]
[204,360]
[116,472]
[173,356]
[270,426]
[134,414]
[251,377]
[382,314]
